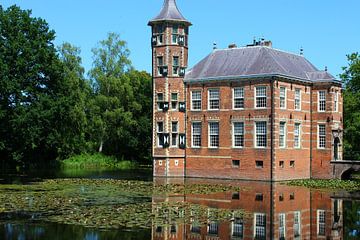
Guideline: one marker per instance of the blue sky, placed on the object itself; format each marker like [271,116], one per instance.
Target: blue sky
[327,30]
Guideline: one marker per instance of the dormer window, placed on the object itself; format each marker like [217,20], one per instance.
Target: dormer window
[176,65]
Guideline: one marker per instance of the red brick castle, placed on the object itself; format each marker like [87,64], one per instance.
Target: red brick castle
[253,112]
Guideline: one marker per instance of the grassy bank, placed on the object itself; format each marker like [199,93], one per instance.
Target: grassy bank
[92,161]
[333,184]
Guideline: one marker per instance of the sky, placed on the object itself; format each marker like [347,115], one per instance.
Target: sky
[327,30]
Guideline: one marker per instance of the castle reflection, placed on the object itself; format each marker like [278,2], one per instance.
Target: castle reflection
[257,210]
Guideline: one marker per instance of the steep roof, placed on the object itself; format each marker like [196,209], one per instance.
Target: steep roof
[255,61]
[169,12]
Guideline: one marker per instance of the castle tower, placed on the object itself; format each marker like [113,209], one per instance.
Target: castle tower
[169,61]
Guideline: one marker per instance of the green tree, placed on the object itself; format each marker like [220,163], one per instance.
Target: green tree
[351,78]
[121,106]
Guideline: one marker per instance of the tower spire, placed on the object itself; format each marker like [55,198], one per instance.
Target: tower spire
[169,12]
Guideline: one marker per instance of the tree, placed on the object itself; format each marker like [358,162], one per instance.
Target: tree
[351,78]
[121,107]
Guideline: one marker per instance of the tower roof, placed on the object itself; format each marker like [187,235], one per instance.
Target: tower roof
[169,12]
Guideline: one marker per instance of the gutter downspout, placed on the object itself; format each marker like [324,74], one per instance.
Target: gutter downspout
[272,129]
[311,130]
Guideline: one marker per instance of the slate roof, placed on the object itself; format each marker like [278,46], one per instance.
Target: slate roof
[256,61]
[169,12]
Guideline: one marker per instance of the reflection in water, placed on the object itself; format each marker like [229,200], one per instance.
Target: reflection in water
[272,211]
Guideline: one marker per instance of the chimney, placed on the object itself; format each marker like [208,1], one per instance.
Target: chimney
[232,45]
[268,44]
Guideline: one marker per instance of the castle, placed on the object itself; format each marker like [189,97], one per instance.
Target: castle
[252,112]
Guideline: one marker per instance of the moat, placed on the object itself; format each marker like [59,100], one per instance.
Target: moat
[94,205]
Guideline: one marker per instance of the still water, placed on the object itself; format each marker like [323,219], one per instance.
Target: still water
[93,205]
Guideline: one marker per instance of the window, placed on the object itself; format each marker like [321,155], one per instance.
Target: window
[196,100]
[159,34]
[297,99]
[282,133]
[336,101]
[195,226]
[282,97]
[173,229]
[292,164]
[259,164]
[213,134]
[176,65]
[160,64]
[281,197]
[174,135]
[321,222]
[214,99]
[213,228]
[160,99]
[175,32]
[237,228]
[297,225]
[235,196]
[281,164]
[196,134]
[238,100]
[322,101]
[260,129]
[259,197]
[321,136]
[282,226]
[260,226]
[297,135]
[236,163]
[260,95]
[160,130]
[174,101]
[238,134]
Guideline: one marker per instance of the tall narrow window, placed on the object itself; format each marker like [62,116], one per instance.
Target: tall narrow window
[213,134]
[160,64]
[260,95]
[213,228]
[260,226]
[260,129]
[336,101]
[174,134]
[297,99]
[196,100]
[160,31]
[214,99]
[175,32]
[238,134]
[322,101]
[282,97]
[282,134]
[160,131]
[238,100]
[297,225]
[160,99]
[196,134]
[297,135]
[321,222]
[175,65]
[282,229]
[174,101]
[322,136]
[237,228]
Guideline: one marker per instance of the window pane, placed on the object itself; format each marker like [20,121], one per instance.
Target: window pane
[239,98]
[297,99]
[196,100]
[214,99]
[282,97]
[261,134]
[214,134]
[261,97]
[238,134]
[196,134]
[282,134]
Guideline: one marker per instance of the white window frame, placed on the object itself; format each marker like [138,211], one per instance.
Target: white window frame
[191,100]
[321,100]
[175,33]
[282,225]
[233,227]
[233,134]
[318,136]
[297,99]
[158,65]
[192,134]
[318,212]
[175,66]
[336,101]
[174,101]
[218,99]
[173,133]
[285,97]
[284,134]
[298,214]
[261,226]
[297,135]
[209,135]
[158,133]
[158,102]
[243,97]
[256,97]
[255,135]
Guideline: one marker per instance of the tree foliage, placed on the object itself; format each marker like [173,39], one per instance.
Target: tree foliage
[351,78]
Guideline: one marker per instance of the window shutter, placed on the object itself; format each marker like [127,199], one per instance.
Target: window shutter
[164,71]
[182,107]
[182,142]
[166,137]
[181,40]
[182,72]
[165,106]
[154,40]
